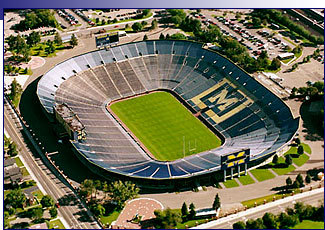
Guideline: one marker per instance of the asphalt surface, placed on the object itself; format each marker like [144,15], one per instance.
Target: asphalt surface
[312,200]
[71,209]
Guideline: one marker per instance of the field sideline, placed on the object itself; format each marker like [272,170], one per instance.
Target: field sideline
[161,123]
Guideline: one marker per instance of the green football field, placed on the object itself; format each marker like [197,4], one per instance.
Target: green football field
[165,126]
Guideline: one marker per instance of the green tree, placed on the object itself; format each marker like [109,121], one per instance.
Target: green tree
[192,213]
[12,149]
[270,221]
[167,37]
[98,186]
[47,201]
[127,26]
[288,159]
[33,38]
[73,40]
[300,150]
[166,219]
[53,212]
[115,20]
[103,21]
[184,211]
[177,20]
[300,180]
[178,36]
[98,210]
[297,140]
[50,47]
[288,182]
[286,221]
[144,23]
[154,24]
[122,191]
[255,224]
[6,222]
[145,37]
[275,64]
[216,203]
[239,225]
[87,187]
[145,12]
[275,159]
[36,213]
[256,22]
[308,179]
[58,39]
[137,27]
[161,36]
[97,20]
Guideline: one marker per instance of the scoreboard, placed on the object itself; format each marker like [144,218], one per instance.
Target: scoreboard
[233,159]
[107,39]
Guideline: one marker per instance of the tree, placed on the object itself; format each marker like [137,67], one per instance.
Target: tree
[287,221]
[192,213]
[300,150]
[115,20]
[98,186]
[50,47]
[161,37]
[145,12]
[300,180]
[270,221]
[98,210]
[58,39]
[12,149]
[288,159]
[145,37]
[33,38]
[178,36]
[297,140]
[184,211]
[53,212]
[103,21]
[87,187]
[308,179]
[177,20]
[166,219]
[73,40]
[275,159]
[137,27]
[239,225]
[275,64]
[216,202]
[36,213]
[255,224]
[15,198]
[47,201]
[256,21]
[127,26]
[167,37]
[289,182]
[105,188]
[154,24]
[122,191]
[295,184]
[144,23]
[97,20]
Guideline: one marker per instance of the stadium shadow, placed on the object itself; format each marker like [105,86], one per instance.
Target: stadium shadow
[63,156]
[312,126]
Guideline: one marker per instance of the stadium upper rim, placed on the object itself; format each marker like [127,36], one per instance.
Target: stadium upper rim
[176,66]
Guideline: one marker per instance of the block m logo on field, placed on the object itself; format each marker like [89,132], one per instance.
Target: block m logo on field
[219,102]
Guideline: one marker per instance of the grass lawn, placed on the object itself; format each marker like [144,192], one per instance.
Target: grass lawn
[286,60]
[5,193]
[292,150]
[18,162]
[56,224]
[306,148]
[107,220]
[190,223]
[281,168]
[24,171]
[245,180]
[40,50]
[308,224]
[161,123]
[38,194]
[230,183]
[302,159]
[262,174]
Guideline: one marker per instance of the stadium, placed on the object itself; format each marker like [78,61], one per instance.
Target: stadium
[164,113]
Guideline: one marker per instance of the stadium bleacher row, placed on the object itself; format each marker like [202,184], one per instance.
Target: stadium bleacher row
[241,109]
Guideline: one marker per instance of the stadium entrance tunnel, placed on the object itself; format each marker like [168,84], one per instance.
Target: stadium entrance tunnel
[243,113]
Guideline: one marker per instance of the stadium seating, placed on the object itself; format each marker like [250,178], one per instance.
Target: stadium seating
[246,113]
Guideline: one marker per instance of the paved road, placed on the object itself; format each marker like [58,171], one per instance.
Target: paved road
[312,200]
[73,212]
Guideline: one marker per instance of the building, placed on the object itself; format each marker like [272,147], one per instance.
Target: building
[70,121]
[39,226]
[12,175]
[285,56]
